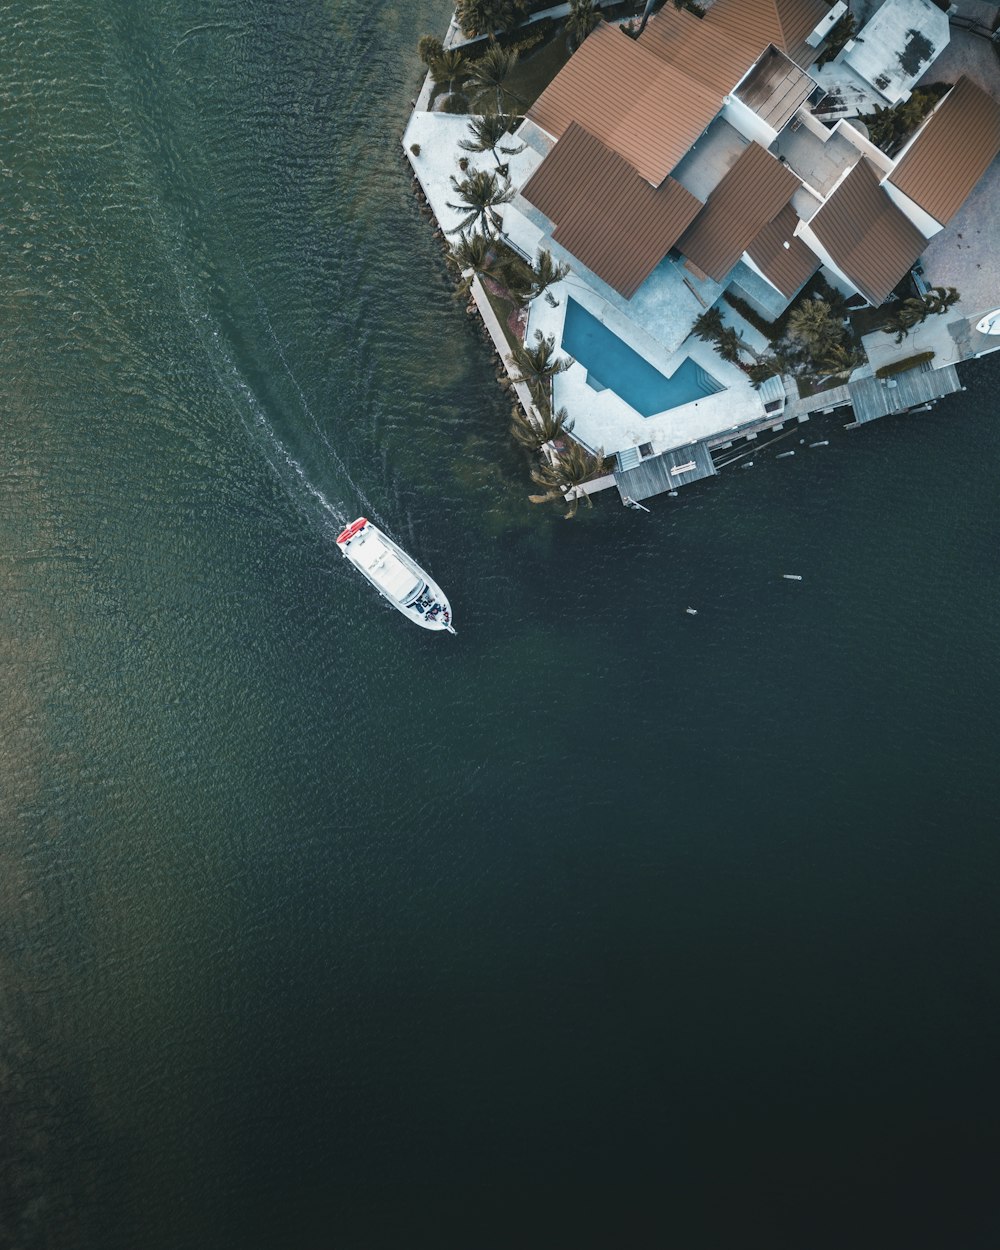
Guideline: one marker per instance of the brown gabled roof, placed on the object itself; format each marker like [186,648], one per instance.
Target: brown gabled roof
[719,48]
[785,23]
[952,151]
[639,106]
[750,195]
[869,239]
[606,215]
[717,54]
[782,257]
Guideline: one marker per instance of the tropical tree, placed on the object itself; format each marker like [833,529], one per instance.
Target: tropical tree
[915,311]
[488,78]
[768,366]
[570,468]
[449,68]
[729,344]
[546,272]
[488,133]
[708,325]
[544,427]
[537,366]
[477,257]
[583,18]
[939,299]
[840,359]
[813,324]
[479,193]
[484,17]
[429,48]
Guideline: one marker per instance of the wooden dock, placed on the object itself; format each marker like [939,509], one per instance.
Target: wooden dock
[656,474]
[878,397]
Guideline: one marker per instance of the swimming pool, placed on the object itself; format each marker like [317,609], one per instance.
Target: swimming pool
[612,364]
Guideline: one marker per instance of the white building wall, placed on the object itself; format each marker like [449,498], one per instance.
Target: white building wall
[746,121]
[925,223]
[865,146]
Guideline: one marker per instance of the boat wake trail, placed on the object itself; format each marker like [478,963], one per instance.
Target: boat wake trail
[368,506]
[280,455]
[224,366]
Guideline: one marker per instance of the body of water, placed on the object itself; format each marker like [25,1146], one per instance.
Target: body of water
[598,924]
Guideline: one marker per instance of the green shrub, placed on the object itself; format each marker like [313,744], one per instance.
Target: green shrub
[901,366]
[429,48]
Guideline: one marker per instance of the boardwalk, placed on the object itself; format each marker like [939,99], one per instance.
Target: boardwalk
[877,397]
[657,474]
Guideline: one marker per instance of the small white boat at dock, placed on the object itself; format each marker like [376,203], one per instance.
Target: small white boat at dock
[395,575]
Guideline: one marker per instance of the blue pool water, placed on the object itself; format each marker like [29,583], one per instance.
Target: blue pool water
[611,363]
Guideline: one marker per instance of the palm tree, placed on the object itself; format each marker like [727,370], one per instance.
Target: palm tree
[488,76]
[480,193]
[729,343]
[545,427]
[708,325]
[813,325]
[915,311]
[583,18]
[939,299]
[449,68]
[483,17]
[568,470]
[487,134]
[841,358]
[537,366]
[475,253]
[910,313]
[768,366]
[545,273]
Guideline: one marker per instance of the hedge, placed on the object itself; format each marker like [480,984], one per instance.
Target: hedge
[901,366]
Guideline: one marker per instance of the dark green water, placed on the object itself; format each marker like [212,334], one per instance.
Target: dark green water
[598,924]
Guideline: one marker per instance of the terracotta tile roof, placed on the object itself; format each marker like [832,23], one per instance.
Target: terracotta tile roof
[605,214]
[750,195]
[787,267]
[872,241]
[638,105]
[952,151]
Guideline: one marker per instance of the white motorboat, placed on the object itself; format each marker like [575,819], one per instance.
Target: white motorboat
[395,575]
[990,324]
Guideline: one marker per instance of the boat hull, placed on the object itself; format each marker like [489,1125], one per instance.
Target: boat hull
[396,576]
